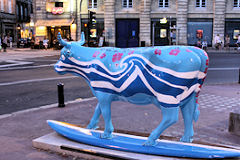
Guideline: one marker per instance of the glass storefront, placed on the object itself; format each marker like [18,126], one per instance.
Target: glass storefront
[199,30]
[93,33]
[163,31]
[52,33]
[232,28]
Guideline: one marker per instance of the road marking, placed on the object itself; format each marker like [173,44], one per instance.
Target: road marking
[27,67]
[35,80]
[14,63]
[220,69]
[55,105]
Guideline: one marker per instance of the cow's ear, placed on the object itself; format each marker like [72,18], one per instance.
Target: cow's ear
[62,42]
[82,41]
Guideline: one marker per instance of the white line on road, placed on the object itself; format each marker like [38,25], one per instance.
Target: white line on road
[26,67]
[35,80]
[14,63]
[222,69]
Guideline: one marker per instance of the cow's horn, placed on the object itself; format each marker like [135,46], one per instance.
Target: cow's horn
[61,41]
[82,41]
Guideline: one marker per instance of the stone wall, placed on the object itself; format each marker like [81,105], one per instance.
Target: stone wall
[219,19]
[145,22]
[109,21]
[182,16]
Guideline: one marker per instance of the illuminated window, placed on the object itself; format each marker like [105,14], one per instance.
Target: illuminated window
[235,34]
[127,3]
[236,3]
[92,4]
[200,3]
[163,33]
[199,34]
[163,3]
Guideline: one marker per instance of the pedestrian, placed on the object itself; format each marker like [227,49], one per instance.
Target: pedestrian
[238,42]
[45,43]
[218,42]
[227,42]
[199,44]
[204,45]
[5,39]
[10,42]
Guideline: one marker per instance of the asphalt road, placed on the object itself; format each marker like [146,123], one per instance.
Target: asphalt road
[33,82]
[223,68]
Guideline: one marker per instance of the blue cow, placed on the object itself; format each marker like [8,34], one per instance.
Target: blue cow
[169,77]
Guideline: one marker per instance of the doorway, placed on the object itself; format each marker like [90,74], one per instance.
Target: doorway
[127,33]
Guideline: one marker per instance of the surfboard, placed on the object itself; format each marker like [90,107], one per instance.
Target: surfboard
[131,143]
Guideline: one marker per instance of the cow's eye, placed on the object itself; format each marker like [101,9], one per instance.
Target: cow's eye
[63,57]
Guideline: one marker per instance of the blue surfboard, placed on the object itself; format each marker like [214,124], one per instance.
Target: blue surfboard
[132,143]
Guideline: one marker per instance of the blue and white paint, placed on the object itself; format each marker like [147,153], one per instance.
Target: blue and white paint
[169,77]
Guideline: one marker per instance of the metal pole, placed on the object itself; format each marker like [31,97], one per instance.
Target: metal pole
[60,95]
[239,76]
[153,34]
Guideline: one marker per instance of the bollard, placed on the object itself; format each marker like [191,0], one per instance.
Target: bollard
[60,95]
[239,76]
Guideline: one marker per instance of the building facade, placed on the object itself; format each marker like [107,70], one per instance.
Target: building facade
[132,23]
[24,25]
[7,18]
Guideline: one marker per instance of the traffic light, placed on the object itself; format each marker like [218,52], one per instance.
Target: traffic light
[92,18]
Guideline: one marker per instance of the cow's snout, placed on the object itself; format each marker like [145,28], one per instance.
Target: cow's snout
[58,68]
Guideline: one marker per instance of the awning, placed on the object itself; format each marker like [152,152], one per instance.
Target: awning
[55,22]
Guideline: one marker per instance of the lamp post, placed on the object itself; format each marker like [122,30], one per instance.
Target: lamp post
[18,35]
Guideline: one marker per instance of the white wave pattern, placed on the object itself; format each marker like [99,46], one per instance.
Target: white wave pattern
[168,99]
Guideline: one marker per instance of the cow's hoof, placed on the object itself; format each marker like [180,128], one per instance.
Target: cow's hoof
[92,127]
[186,139]
[106,136]
[150,143]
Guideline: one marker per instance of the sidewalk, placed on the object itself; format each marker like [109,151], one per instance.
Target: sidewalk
[23,53]
[17,130]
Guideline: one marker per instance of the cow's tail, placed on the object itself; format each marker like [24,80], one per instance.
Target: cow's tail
[203,69]
[196,113]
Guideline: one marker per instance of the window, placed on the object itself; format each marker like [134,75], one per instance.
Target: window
[2,5]
[58,4]
[21,12]
[236,3]
[127,3]
[26,12]
[235,34]
[200,3]
[163,3]
[92,4]
[9,6]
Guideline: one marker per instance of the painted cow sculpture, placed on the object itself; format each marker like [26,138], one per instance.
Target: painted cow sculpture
[169,77]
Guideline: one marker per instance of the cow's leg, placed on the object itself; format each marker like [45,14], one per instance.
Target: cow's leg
[169,117]
[105,106]
[190,113]
[95,118]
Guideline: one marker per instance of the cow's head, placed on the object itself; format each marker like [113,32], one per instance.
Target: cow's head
[67,46]
[68,50]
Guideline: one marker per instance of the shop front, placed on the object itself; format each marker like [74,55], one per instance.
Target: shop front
[163,31]
[199,30]
[49,29]
[232,28]
[93,33]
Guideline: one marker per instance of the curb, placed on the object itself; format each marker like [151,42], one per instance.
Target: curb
[79,100]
